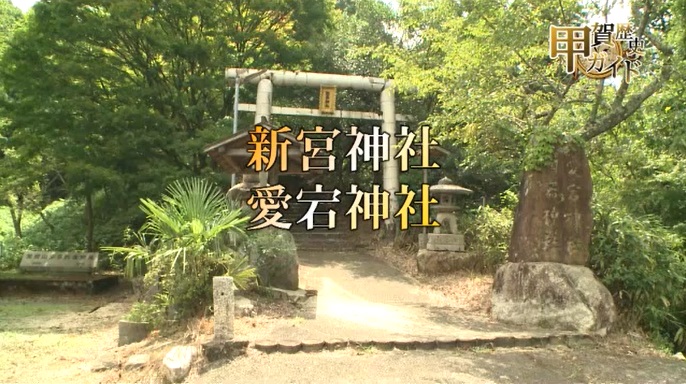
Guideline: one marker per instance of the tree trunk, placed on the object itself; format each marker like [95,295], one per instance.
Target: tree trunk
[45,220]
[17,213]
[89,223]
[16,221]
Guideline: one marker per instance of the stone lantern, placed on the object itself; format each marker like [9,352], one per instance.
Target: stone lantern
[444,249]
[446,192]
[241,192]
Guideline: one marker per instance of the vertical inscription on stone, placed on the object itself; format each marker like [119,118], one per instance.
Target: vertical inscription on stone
[554,221]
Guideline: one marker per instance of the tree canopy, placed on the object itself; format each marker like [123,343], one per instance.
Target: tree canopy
[122,96]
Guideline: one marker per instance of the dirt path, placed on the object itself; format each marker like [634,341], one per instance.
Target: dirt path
[56,338]
[360,297]
[589,364]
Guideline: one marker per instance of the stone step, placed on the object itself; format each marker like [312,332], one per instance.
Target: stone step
[298,214]
[341,248]
[329,244]
[342,222]
[300,228]
[330,240]
[337,232]
[319,234]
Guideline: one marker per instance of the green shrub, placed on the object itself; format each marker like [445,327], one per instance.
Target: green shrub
[270,250]
[11,251]
[642,264]
[487,234]
[61,228]
[149,312]
[67,232]
[187,239]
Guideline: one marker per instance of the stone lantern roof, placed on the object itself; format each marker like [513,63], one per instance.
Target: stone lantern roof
[447,186]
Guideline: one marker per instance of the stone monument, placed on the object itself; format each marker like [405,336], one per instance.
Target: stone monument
[224,303]
[223,345]
[444,249]
[546,281]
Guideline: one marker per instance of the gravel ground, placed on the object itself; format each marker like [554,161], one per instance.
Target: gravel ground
[587,364]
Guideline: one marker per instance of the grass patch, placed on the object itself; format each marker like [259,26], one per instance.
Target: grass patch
[16,311]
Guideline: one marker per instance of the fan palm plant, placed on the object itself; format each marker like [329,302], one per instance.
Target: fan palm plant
[187,238]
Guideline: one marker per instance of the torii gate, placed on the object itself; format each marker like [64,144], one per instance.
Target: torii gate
[263,108]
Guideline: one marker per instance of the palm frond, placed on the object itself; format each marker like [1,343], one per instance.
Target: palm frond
[193,232]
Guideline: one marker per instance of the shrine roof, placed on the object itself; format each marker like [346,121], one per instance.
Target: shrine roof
[232,155]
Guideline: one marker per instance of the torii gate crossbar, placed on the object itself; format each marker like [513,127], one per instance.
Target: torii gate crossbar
[263,106]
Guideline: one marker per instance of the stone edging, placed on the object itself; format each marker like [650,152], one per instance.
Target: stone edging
[220,349]
[294,346]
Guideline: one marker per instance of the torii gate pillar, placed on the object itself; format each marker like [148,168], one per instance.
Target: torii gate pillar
[263,108]
[390,167]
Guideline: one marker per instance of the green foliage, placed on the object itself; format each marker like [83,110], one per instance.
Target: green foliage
[491,89]
[640,208]
[149,312]
[60,229]
[5,223]
[487,233]
[17,180]
[9,18]
[11,251]
[63,223]
[643,265]
[360,27]
[680,12]
[271,250]
[488,84]
[136,256]
[483,70]
[130,92]
[66,234]
[544,142]
[188,238]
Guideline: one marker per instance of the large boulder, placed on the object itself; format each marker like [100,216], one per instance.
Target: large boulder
[552,295]
[553,221]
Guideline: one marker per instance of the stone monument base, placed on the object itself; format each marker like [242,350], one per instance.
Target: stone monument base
[423,239]
[552,295]
[434,262]
[445,242]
